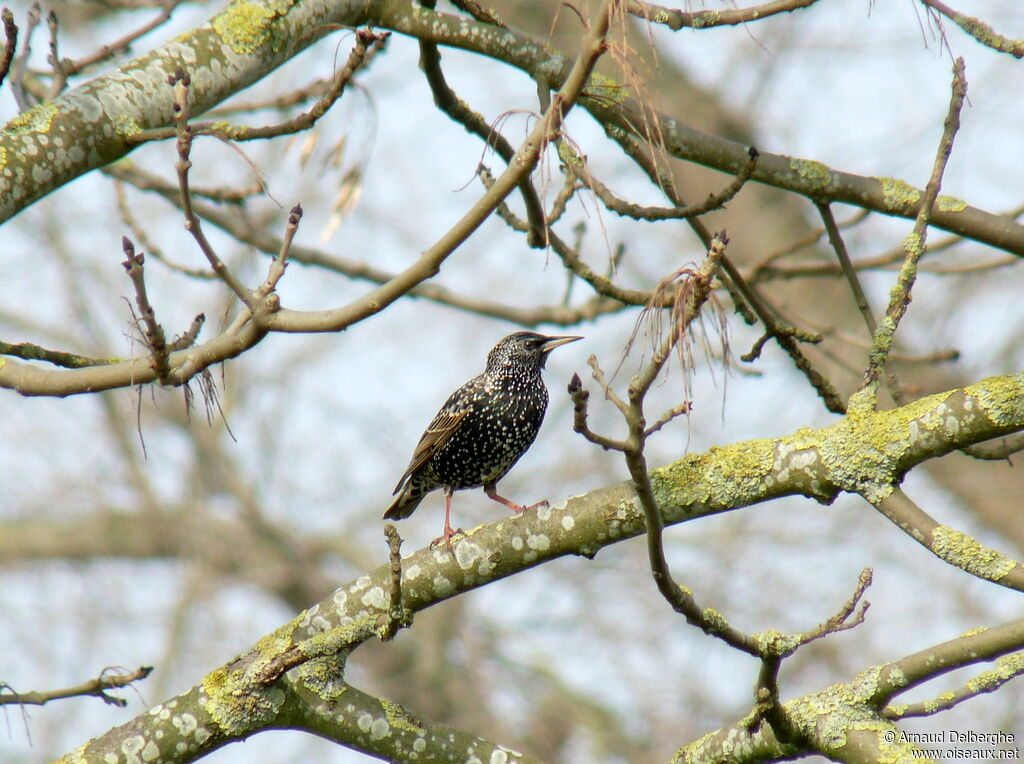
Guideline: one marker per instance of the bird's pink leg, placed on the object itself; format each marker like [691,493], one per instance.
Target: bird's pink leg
[492,493]
[446,536]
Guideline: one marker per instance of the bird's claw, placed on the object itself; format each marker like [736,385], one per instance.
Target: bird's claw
[446,538]
[521,509]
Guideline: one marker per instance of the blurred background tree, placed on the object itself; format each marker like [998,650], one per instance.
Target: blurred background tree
[171,525]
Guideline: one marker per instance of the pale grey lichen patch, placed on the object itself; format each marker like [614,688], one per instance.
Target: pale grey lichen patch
[486,567]
[308,614]
[340,598]
[561,504]
[443,587]
[517,543]
[379,729]
[131,746]
[499,756]
[365,721]
[413,572]
[186,724]
[151,752]
[376,597]
[539,542]
[467,553]
[544,512]
[568,522]
[1001,398]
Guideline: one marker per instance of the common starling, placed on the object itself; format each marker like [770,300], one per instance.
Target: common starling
[481,430]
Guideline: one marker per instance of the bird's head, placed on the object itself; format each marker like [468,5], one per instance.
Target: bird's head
[527,349]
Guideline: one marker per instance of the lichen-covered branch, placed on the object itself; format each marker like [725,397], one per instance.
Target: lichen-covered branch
[268,316]
[251,693]
[949,544]
[858,709]
[978,29]
[244,42]
[93,124]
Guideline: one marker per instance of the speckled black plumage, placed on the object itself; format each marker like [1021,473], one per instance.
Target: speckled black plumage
[482,429]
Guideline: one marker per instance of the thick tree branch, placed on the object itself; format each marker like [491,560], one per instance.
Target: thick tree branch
[246,59]
[879,448]
[859,708]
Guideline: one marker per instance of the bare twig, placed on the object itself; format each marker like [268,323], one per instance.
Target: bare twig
[578,168]
[860,298]
[746,298]
[228,345]
[579,395]
[448,102]
[777,647]
[146,243]
[156,341]
[122,44]
[10,42]
[398,616]
[111,678]
[60,77]
[180,83]
[188,339]
[978,646]
[368,44]
[675,19]
[478,12]
[1004,449]
[33,352]
[280,261]
[836,239]
[899,299]
[560,315]
[20,67]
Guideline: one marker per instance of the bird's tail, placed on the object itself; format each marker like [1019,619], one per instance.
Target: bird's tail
[409,497]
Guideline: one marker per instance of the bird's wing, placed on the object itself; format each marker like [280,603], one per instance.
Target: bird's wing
[438,433]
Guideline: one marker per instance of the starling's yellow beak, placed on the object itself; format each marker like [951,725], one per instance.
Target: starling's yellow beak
[554,342]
